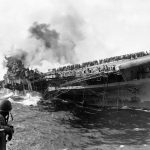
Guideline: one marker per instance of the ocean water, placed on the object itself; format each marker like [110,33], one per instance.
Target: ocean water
[39,128]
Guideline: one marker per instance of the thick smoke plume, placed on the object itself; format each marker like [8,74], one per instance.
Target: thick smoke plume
[62,50]
[46,44]
[51,45]
[42,32]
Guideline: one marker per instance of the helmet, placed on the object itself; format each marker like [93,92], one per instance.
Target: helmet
[5,106]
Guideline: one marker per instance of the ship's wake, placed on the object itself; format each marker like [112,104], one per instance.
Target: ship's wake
[28,98]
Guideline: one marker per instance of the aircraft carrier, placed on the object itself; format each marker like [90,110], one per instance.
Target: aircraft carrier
[117,82]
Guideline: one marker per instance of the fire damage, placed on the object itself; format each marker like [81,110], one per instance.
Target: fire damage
[20,78]
[104,84]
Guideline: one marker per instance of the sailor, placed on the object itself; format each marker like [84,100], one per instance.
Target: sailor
[5,108]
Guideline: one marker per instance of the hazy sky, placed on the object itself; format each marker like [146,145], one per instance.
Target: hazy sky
[100,28]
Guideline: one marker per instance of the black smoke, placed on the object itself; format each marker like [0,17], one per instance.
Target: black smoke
[43,33]
[52,44]
[62,50]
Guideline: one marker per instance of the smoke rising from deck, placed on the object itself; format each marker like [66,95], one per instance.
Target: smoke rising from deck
[52,44]
[42,32]
[61,50]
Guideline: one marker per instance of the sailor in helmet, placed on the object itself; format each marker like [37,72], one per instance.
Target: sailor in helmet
[5,108]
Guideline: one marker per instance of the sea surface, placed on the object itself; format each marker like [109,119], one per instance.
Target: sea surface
[39,128]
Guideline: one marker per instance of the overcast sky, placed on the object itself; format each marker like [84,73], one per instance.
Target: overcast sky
[105,27]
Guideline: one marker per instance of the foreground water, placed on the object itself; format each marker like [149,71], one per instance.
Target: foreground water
[40,129]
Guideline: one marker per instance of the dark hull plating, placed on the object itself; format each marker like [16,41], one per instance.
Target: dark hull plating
[131,94]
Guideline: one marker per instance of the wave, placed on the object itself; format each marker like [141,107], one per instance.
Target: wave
[29,98]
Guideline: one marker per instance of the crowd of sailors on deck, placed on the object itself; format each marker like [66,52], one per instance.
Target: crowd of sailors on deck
[82,72]
[86,68]
[76,70]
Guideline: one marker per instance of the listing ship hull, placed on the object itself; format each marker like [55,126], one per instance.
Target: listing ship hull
[118,84]
[129,88]
[121,95]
